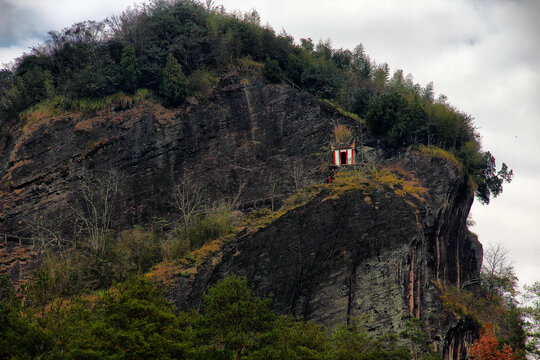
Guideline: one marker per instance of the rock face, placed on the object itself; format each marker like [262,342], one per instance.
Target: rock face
[17,260]
[374,253]
[229,144]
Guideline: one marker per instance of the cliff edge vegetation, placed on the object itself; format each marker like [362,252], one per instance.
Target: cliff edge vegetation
[181,48]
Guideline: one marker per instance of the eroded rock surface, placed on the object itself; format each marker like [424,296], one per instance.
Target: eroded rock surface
[229,144]
[372,253]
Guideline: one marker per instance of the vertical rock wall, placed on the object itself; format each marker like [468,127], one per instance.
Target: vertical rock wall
[375,254]
[372,254]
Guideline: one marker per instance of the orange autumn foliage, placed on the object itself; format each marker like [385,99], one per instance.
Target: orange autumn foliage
[487,347]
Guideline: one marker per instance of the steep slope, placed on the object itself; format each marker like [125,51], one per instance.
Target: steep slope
[374,252]
[370,252]
[229,144]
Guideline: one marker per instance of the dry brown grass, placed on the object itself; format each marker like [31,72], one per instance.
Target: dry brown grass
[165,272]
[342,134]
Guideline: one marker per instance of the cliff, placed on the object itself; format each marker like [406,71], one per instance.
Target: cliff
[375,253]
[229,143]
[370,251]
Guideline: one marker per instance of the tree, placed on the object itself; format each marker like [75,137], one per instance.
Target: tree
[20,338]
[95,206]
[188,199]
[417,126]
[273,184]
[489,180]
[294,69]
[7,79]
[385,112]
[173,88]
[420,345]
[361,62]
[487,347]
[531,316]
[132,321]
[380,77]
[233,321]
[136,251]
[37,85]
[323,49]
[351,342]
[428,93]
[498,275]
[307,45]
[399,121]
[272,71]
[129,67]
[342,58]
[95,78]
[40,291]
[297,172]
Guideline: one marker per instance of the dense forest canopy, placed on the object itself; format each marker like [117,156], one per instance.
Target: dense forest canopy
[178,47]
[134,321]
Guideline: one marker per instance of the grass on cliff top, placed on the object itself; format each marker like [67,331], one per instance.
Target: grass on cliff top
[261,218]
[399,181]
[394,178]
[166,271]
[344,112]
[84,106]
[433,151]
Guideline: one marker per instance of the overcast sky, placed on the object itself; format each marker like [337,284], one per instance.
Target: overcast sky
[484,55]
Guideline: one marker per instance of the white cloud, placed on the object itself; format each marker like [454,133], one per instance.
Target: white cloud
[16,22]
[511,220]
[25,23]
[10,53]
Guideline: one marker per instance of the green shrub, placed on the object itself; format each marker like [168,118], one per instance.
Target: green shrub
[207,226]
[134,320]
[136,251]
[76,269]
[20,339]
[272,71]
[201,82]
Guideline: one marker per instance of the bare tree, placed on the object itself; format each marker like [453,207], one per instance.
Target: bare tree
[297,172]
[209,4]
[188,199]
[241,187]
[498,275]
[45,232]
[94,207]
[273,182]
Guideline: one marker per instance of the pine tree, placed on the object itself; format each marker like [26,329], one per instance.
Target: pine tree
[173,88]
[130,70]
